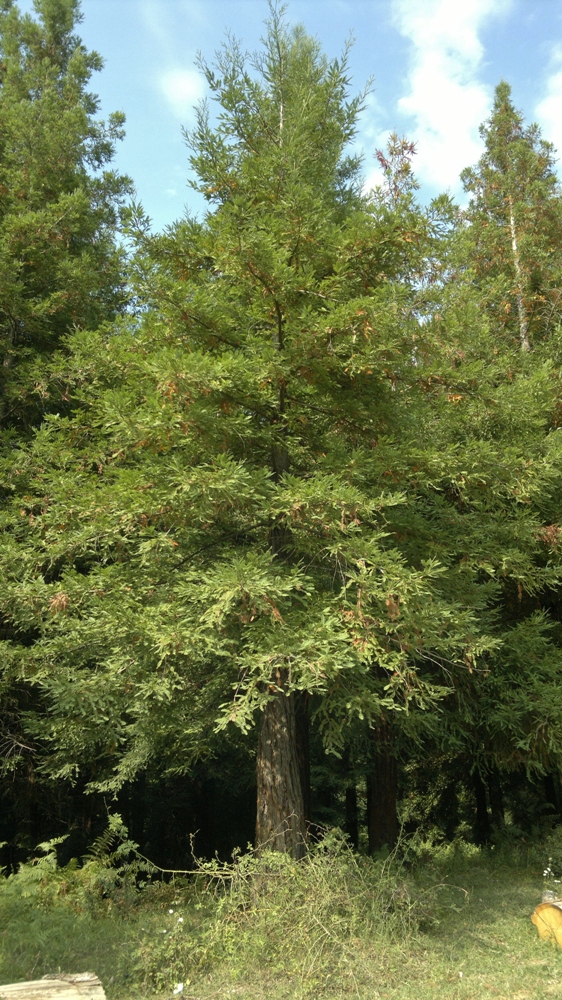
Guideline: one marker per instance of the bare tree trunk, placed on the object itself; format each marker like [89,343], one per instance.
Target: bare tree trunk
[481,828]
[496,798]
[382,791]
[281,820]
[283,762]
[352,815]
[303,749]
[553,793]
[351,827]
[523,321]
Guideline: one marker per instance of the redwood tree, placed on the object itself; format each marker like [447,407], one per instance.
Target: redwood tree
[212,533]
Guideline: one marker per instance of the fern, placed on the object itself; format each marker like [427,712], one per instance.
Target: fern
[110,870]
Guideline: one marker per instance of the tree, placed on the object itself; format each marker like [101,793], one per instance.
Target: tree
[60,266]
[499,272]
[515,222]
[212,534]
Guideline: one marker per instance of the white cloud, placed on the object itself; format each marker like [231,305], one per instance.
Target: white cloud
[446,98]
[374,179]
[182,88]
[549,110]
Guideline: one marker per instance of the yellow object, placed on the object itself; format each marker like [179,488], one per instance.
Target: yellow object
[547,918]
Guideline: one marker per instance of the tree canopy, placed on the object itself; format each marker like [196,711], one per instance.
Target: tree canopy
[310,475]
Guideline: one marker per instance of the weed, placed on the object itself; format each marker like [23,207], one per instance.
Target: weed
[313,921]
[451,924]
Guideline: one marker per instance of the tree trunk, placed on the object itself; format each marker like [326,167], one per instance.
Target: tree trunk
[83,986]
[496,799]
[281,820]
[303,749]
[352,816]
[448,810]
[481,828]
[382,791]
[283,769]
[553,793]
[523,321]
[351,826]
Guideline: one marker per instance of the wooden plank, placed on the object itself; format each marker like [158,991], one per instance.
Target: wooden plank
[84,986]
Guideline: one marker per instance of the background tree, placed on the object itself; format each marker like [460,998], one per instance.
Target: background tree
[61,269]
[503,426]
[515,222]
[60,266]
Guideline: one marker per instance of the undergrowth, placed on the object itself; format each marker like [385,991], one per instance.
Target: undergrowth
[430,921]
[312,921]
[315,921]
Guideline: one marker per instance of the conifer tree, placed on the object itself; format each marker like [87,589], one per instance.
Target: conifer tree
[60,267]
[208,537]
[515,218]
[504,419]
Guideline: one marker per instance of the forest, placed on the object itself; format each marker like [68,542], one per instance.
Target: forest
[281,494]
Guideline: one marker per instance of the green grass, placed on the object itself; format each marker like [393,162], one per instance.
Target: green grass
[455,927]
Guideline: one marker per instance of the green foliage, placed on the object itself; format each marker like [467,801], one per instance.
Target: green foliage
[59,917]
[515,223]
[332,907]
[110,870]
[225,500]
[60,268]
[331,925]
[316,458]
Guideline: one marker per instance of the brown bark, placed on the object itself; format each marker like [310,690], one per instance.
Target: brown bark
[281,819]
[283,770]
[382,790]
[303,749]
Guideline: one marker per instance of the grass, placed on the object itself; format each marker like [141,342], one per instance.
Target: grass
[455,926]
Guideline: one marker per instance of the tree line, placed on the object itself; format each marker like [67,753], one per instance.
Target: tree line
[281,493]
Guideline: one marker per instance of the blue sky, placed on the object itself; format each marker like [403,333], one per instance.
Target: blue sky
[434,65]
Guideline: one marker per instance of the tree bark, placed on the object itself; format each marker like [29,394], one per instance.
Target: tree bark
[481,828]
[382,791]
[352,816]
[496,799]
[302,733]
[351,826]
[281,818]
[553,793]
[523,321]
[283,769]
